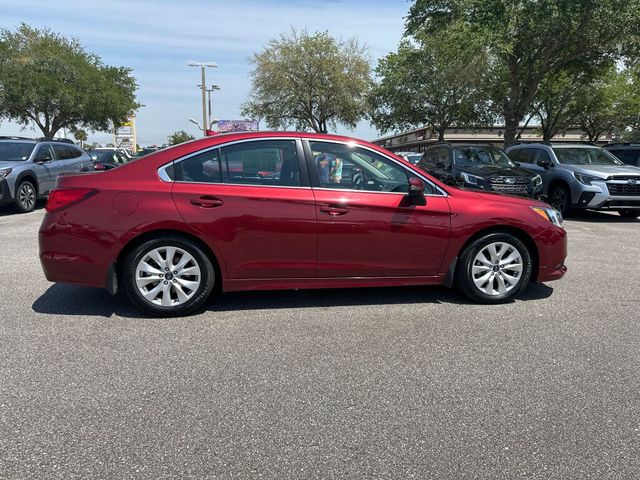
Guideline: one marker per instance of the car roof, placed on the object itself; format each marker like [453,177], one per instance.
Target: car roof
[572,145]
[18,139]
[552,145]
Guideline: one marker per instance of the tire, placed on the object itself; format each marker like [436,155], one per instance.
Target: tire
[26,196]
[629,213]
[167,295]
[560,199]
[471,276]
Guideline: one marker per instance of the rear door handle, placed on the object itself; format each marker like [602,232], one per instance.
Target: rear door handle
[207,201]
[334,210]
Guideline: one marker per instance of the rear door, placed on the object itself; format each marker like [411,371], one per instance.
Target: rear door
[253,200]
[366,225]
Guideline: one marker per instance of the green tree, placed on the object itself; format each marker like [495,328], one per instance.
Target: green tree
[434,81]
[179,137]
[309,81]
[529,39]
[53,82]
[80,135]
[602,105]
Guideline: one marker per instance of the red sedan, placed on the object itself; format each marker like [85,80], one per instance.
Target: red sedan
[267,210]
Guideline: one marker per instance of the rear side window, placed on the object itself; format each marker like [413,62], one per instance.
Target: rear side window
[73,152]
[264,162]
[62,152]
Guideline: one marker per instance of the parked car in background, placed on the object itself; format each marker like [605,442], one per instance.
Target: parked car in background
[29,168]
[107,158]
[480,167]
[124,152]
[627,153]
[278,210]
[582,176]
[146,151]
[411,157]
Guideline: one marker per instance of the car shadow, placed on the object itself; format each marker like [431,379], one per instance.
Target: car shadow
[60,299]
[592,216]
[6,210]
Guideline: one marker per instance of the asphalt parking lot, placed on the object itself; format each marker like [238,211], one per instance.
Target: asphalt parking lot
[372,383]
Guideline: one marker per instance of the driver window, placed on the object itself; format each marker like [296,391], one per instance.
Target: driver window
[543,155]
[44,154]
[342,166]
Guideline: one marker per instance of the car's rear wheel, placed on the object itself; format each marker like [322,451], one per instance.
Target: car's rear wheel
[494,268]
[629,213]
[26,196]
[168,276]
[560,199]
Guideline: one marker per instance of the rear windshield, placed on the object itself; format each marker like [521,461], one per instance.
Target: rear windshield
[103,155]
[585,156]
[481,156]
[15,151]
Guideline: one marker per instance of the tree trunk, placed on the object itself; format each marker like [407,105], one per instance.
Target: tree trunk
[510,130]
[441,134]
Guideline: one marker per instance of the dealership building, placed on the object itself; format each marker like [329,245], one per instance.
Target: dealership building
[420,139]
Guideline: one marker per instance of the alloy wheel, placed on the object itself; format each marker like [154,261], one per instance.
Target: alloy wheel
[559,200]
[27,196]
[168,276]
[497,268]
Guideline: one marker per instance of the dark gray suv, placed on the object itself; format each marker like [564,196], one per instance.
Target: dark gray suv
[29,168]
[582,176]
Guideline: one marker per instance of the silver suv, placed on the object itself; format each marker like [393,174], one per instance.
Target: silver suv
[582,176]
[29,168]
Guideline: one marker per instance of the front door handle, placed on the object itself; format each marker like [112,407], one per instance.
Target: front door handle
[207,201]
[334,210]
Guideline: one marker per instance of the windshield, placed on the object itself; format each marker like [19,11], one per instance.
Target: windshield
[480,157]
[585,156]
[15,151]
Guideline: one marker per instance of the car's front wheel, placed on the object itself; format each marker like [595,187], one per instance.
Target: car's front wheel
[494,268]
[26,196]
[560,199]
[629,213]
[168,276]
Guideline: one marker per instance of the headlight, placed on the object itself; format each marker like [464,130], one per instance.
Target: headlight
[550,214]
[471,179]
[4,172]
[537,181]
[586,179]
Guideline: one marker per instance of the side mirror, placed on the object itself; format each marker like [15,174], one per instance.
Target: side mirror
[544,164]
[42,160]
[416,191]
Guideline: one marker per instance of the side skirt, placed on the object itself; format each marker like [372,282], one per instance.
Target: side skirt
[237,285]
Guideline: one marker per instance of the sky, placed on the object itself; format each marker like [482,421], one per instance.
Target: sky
[157,39]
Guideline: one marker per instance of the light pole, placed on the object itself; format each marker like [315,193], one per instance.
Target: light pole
[209,90]
[202,66]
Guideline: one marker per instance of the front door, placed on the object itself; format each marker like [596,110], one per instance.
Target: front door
[367,227]
[255,204]
[47,168]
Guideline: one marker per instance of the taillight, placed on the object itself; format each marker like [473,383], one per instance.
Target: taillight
[99,166]
[60,198]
